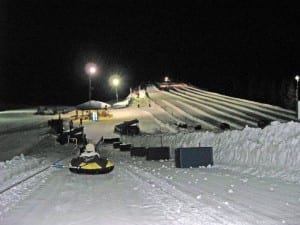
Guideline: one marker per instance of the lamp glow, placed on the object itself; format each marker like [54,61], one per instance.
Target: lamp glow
[116,82]
[91,70]
[297,96]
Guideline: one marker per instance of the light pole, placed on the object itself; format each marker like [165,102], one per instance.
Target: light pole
[297,87]
[91,70]
[116,83]
[297,95]
[167,80]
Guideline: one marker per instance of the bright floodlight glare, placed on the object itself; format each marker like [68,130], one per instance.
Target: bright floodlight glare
[166,78]
[92,70]
[116,82]
[297,78]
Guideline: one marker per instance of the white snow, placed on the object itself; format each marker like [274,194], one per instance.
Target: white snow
[255,178]
[273,151]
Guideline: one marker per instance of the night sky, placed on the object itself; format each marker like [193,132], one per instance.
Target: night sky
[245,49]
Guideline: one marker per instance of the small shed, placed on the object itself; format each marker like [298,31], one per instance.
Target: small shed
[91,108]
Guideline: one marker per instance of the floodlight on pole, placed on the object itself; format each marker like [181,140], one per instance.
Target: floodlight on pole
[297,77]
[297,87]
[91,70]
[116,82]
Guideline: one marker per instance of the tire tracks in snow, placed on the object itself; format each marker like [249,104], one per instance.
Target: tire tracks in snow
[263,109]
[177,207]
[190,116]
[215,107]
[31,176]
[24,128]
[20,190]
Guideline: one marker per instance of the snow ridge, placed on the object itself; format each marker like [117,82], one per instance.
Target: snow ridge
[273,151]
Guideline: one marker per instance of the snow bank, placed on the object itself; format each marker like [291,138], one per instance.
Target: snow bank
[275,148]
[122,104]
[38,156]
[18,165]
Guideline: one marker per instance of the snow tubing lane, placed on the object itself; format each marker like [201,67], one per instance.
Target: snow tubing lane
[91,166]
[29,177]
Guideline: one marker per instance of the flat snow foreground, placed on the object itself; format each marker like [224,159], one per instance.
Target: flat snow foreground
[244,186]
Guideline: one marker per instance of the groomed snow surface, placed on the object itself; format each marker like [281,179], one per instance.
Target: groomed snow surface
[255,178]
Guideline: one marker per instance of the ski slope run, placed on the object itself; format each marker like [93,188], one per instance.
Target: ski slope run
[192,106]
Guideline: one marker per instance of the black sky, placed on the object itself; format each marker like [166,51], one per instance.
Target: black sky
[219,45]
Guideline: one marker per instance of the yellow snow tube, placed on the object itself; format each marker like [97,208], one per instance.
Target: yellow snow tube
[95,165]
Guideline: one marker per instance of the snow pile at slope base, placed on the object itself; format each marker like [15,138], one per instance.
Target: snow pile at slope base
[272,151]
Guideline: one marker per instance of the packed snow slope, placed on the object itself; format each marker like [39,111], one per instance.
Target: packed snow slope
[190,105]
[255,178]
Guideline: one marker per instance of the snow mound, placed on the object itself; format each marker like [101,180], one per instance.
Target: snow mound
[272,151]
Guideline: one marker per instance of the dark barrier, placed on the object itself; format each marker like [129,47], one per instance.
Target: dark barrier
[62,138]
[182,125]
[111,140]
[77,132]
[125,147]
[116,144]
[193,157]
[224,126]
[81,138]
[138,151]
[158,153]
[128,127]
[56,125]
[263,123]
[198,127]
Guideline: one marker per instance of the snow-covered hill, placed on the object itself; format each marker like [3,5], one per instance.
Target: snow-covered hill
[194,106]
[255,178]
